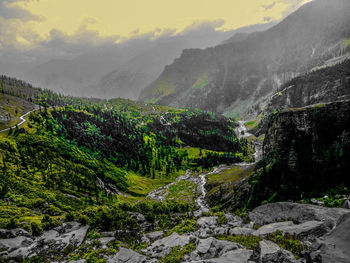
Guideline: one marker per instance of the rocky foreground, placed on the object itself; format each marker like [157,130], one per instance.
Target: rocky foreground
[324,234]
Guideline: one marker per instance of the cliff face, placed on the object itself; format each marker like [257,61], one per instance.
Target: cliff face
[228,78]
[307,151]
[321,86]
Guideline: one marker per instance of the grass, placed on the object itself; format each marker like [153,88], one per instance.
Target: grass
[288,242]
[231,175]
[201,82]
[183,191]
[141,186]
[177,254]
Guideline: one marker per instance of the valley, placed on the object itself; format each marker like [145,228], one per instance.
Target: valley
[236,153]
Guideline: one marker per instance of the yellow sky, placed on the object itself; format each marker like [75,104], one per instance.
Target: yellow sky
[122,17]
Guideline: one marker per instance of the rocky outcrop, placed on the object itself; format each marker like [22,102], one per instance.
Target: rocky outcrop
[308,225]
[306,229]
[298,213]
[322,86]
[334,247]
[49,244]
[269,252]
[306,150]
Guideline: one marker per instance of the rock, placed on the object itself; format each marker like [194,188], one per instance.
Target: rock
[78,261]
[346,203]
[233,221]
[52,242]
[207,222]
[15,243]
[271,228]
[127,256]
[315,228]
[4,233]
[105,241]
[317,202]
[334,248]
[126,234]
[211,248]
[269,252]
[233,256]
[298,213]
[162,247]
[241,231]
[154,235]
[107,234]
[221,231]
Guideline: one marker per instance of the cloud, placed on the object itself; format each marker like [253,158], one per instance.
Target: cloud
[82,39]
[203,25]
[267,7]
[10,10]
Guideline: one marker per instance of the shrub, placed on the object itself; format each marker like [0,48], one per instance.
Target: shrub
[288,242]
[187,226]
[36,229]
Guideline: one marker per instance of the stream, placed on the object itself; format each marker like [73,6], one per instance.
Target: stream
[160,194]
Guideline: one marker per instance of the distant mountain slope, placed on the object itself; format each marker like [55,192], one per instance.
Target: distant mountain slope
[119,70]
[230,78]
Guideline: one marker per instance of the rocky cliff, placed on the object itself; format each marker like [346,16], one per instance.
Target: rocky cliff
[320,86]
[306,152]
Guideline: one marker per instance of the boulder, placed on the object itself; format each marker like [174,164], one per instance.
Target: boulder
[51,242]
[233,221]
[207,222]
[154,235]
[162,247]
[334,247]
[4,233]
[305,229]
[105,241]
[15,243]
[221,231]
[127,256]
[269,252]
[346,203]
[239,255]
[298,213]
[212,247]
[244,231]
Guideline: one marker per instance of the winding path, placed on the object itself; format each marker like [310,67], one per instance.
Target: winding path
[22,118]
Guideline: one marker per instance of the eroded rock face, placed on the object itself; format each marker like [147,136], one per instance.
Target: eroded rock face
[298,213]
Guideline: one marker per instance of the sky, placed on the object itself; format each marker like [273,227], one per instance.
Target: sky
[29,24]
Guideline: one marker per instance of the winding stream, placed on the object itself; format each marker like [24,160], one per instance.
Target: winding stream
[201,180]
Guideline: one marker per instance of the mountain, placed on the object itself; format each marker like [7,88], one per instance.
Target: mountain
[118,70]
[232,77]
